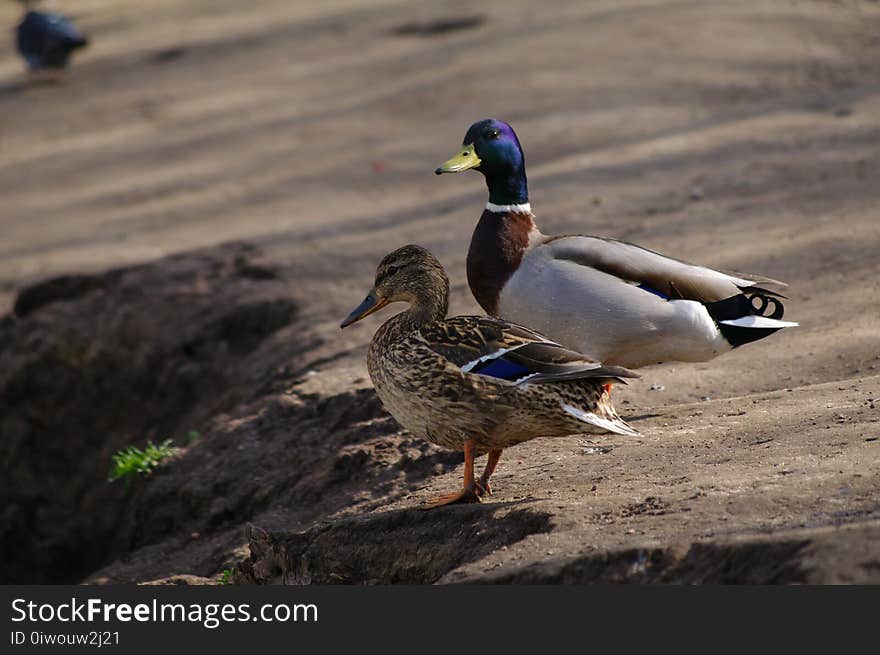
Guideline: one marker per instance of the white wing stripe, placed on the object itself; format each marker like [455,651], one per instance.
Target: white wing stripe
[485,358]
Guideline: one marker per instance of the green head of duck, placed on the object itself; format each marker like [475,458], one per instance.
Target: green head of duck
[492,148]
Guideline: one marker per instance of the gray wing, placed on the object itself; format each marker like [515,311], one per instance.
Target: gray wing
[672,278]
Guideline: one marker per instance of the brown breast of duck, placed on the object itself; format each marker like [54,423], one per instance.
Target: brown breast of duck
[499,242]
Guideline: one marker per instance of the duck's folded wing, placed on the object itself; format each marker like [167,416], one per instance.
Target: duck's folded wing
[668,277]
[498,349]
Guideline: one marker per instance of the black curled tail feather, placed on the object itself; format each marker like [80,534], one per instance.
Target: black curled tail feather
[752,302]
[765,304]
[757,303]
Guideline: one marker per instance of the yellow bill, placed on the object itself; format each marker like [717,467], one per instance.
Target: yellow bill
[465,159]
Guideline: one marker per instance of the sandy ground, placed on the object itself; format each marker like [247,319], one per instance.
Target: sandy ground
[741,135]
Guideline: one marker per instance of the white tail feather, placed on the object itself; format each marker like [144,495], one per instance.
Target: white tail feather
[758,322]
[616,425]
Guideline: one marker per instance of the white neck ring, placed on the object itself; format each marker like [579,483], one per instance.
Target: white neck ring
[522,208]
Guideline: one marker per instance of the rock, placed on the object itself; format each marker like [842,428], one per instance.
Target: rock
[183,580]
[94,363]
[207,342]
[409,546]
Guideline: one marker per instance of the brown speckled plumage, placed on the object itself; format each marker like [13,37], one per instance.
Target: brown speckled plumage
[416,361]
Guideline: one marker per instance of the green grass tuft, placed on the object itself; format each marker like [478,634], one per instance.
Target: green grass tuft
[225,576]
[130,462]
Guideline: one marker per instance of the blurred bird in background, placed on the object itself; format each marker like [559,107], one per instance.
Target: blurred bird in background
[46,40]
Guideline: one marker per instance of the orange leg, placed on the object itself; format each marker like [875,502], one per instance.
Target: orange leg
[468,493]
[482,485]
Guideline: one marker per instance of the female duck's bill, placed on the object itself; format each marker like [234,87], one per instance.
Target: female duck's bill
[372,303]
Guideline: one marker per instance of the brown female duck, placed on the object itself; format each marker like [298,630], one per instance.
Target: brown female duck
[475,383]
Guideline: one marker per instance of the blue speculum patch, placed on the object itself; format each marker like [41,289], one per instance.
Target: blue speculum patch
[503,369]
[654,291]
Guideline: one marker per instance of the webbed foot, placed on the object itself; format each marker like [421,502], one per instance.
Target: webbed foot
[466,495]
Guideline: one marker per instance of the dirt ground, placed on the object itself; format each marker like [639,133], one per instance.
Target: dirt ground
[740,135]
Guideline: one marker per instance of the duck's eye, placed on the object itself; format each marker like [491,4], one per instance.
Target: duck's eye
[391,270]
[494,134]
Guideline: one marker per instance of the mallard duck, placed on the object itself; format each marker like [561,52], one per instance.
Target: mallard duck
[475,383]
[613,301]
[46,40]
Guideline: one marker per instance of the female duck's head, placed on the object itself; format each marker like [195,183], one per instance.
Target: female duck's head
[409,274]
[491,147]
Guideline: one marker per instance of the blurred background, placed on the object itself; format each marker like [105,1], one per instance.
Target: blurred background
[313,128]
[744,135]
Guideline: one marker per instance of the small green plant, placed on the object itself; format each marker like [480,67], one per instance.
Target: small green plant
[132,461]
[225,577]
